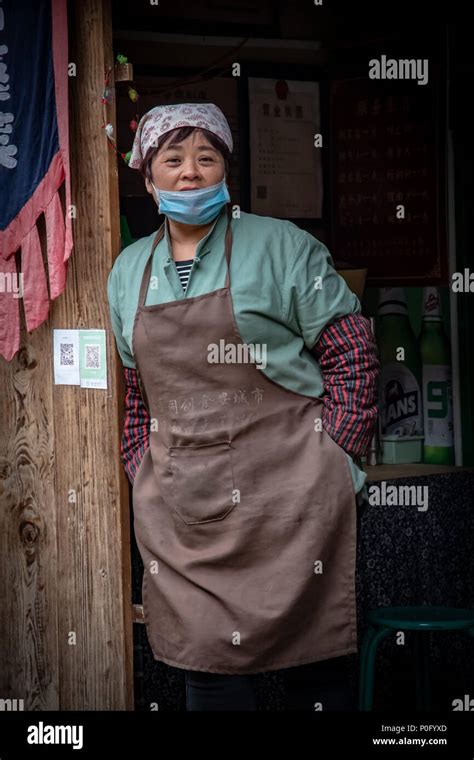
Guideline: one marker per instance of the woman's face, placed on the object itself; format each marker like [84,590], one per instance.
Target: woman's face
[190,165]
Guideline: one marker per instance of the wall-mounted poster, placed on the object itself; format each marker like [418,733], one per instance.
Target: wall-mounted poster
[285,164]
[388,184]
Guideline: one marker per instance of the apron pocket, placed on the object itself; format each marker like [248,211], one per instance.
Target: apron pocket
[202,481]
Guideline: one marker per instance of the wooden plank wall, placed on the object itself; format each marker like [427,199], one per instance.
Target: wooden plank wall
[65,590]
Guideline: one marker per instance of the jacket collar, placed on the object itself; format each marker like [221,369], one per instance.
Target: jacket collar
[204,246]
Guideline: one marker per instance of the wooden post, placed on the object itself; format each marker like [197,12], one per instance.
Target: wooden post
[65,607]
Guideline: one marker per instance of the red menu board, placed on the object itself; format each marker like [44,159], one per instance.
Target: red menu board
[387,151]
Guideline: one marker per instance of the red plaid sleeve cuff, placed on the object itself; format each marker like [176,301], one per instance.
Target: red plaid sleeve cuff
[136,427]
[347,355]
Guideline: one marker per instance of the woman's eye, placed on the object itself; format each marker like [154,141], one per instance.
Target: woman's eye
[203,159]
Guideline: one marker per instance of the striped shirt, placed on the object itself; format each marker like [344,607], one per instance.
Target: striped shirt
[184,269]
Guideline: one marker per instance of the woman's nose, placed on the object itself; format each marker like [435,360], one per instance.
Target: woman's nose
[190,169]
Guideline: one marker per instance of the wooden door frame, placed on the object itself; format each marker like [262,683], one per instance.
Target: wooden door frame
[97,239]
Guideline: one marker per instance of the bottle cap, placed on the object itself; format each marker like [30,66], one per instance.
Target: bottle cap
[392,301]
[432,311]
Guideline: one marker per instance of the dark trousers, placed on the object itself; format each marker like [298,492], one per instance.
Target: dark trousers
[324,685]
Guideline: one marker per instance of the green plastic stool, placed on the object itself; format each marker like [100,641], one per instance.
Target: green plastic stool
[419,619]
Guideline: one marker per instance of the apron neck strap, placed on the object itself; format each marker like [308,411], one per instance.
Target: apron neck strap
[159,235]
[146,274]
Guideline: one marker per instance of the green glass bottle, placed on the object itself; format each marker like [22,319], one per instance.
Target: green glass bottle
[400,402]
[437,382]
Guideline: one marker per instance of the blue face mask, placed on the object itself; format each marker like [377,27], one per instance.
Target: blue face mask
[193,206]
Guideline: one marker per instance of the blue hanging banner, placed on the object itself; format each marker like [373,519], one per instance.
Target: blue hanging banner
[34,161]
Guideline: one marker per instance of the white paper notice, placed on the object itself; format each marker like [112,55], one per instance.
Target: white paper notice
[286,175]
[66,357]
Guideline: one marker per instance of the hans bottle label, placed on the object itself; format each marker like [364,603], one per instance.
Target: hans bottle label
[400,408]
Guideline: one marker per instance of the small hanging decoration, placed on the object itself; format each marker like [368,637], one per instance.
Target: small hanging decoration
[108,93]
[123,70]
[107,97]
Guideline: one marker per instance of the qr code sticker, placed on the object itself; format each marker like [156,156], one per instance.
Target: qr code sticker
[66,357]
[93,356]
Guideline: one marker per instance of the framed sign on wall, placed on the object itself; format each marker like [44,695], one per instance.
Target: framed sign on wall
[388,154]
[286,179]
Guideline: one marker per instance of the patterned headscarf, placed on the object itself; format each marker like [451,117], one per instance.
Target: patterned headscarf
[162,119]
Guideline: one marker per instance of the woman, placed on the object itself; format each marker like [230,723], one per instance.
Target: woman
[244,484]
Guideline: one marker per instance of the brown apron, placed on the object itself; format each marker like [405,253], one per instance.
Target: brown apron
[244,512]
